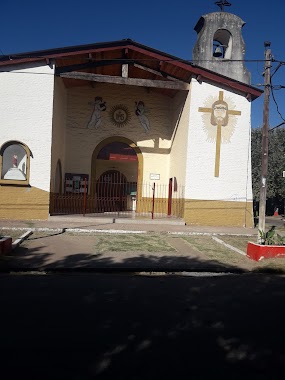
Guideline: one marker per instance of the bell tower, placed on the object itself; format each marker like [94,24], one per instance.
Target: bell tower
[220,46]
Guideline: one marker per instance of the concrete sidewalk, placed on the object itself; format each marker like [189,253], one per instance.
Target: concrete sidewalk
[123,224]
[68,243]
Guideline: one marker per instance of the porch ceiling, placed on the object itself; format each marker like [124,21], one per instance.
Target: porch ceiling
[159,73]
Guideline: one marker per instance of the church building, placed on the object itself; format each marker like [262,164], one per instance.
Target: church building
[122,127]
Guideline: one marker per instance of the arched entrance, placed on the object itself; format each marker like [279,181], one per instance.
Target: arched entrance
[116,172]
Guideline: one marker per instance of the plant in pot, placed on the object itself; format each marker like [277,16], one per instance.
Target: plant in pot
[270,245]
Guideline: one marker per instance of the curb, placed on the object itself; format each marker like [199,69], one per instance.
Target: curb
[17,242]
[113,231]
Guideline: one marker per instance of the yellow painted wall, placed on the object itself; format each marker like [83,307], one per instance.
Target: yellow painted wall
[145,206]
[81,141]
[178,154]
[218,213]
[23,203]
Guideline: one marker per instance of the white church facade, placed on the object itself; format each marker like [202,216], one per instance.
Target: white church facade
[77,120]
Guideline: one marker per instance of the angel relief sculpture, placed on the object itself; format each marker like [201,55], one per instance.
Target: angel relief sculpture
[96,118]
[140,112]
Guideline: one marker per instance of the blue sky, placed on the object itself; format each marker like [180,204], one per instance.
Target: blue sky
[33,25]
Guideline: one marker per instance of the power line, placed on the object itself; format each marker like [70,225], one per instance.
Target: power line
[53,74]
[277,106]
[272,87]
[277,126]
[16,57]
[25,72]
[229,82]
[277,68]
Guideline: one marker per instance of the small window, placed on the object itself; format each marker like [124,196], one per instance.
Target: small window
[15,163]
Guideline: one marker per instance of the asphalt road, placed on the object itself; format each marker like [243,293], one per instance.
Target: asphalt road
[102,326]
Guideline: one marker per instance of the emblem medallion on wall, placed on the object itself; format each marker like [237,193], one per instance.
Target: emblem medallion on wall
[120,115]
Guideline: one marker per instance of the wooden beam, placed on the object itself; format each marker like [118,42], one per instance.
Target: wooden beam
[89,65]
[161,64]
[125,70]
[127,81]
[149,70]
[159,73]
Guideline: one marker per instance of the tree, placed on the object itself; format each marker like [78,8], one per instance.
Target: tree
[276,164]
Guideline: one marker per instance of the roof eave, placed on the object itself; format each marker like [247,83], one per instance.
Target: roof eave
[207,75]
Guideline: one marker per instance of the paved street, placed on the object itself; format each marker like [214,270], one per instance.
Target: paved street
[83,325]
[135,327]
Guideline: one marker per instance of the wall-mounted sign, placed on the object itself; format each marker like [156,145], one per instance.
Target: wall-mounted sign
[154,177]
[76,183]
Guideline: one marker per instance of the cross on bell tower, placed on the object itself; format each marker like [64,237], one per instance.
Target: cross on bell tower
[222,4]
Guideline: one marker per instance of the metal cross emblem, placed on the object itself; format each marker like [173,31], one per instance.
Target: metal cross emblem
[222,4]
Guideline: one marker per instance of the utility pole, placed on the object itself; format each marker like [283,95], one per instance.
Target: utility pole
[264,158]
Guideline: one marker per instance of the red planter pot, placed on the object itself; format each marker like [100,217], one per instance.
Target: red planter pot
[259,252]
[5,245]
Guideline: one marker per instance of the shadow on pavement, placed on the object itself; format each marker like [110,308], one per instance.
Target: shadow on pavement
[111,326]
[63,324]
[26,259]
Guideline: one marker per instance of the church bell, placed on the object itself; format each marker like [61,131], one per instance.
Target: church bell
[218,52]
